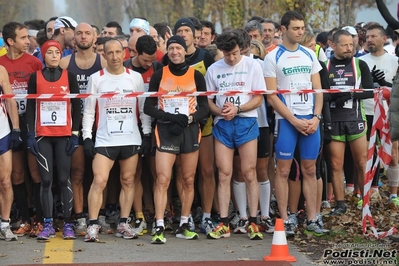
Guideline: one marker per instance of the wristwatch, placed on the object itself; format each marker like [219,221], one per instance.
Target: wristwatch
[239,111]
[318,116]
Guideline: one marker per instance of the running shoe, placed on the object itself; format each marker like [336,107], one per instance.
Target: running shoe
[241,227]
[24,229]
[207,226]
[159,237]
[112,217]
[220,231]
[47,233]
[266,225]
[325,204]
[375,195]
[126,231]
[7,235]
[360,204]
[289,229]
[253,232]
[393,203]
[293,218]
[319,218]
[68,231]
[81,227]
[154,229]
[92,233]
[313,227]
[140,226]
[235,220]
[191,224]
[105,228]
[338,211]
[185,233]
[36,229]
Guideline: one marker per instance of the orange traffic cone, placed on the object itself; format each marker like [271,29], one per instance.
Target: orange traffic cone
[279,250]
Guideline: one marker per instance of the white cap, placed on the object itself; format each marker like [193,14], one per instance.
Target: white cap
[32,33]
[65,22]
[350,29]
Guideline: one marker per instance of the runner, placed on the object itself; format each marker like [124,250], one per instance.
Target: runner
[53,131]
[117,136]
[177,133]
[235,126]
[8,140]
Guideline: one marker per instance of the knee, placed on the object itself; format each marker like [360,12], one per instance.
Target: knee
[99,182]
[127,181]
[188,183]
[207,172]
[77,174]
[162,182]
[283,172]
[18,176]
[5,183]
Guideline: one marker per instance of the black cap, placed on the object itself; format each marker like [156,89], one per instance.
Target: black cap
[184,22]
[177,39]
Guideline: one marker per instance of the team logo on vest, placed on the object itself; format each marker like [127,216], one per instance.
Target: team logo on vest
[119,110]
[340,72]
[297,70]
[225,84]
[64,88]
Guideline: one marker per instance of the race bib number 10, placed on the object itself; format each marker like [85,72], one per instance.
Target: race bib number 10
[301,100]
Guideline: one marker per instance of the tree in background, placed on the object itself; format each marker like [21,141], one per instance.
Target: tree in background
[9,12]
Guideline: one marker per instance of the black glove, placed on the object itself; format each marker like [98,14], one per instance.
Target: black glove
[146,145]
[72,144]
[15,139]
[176,129]
[378,76]
[180,119]
[32,143]
[340,101]
[88,147]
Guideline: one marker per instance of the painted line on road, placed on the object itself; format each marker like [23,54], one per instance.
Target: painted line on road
[58,250]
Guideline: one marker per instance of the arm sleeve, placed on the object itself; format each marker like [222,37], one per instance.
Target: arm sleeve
[31,103]
[89,112]
[150,104]
[203,108]
[75,102]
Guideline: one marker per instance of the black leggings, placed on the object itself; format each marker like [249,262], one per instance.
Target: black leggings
[50,148]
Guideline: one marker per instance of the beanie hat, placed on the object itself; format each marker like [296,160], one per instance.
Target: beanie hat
[177,39]
[140,23]
[49,44]
[184,22]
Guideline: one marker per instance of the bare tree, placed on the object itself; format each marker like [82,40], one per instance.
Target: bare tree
[10,10]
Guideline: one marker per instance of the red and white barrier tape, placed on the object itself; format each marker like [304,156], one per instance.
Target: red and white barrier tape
[380,122]
[159,94]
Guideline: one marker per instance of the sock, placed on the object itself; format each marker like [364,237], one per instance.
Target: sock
[264,198]
[252,220]
[122,220]
[393,196]
[183,220]
[240,194]
[205,215]
[4,223]
[140,215]
[161,223]
[95,221]
[374,188]
[225,221]
[102,212]
[350,187]
[48,220]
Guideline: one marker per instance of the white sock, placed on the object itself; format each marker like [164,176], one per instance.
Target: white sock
[240,194]
[4,224]
[390,196]
[264,198]
[161,223]
[183,220]
[205,215]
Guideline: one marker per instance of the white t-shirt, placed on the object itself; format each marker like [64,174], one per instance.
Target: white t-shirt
[387,63]
[293,71]
[245,76]
[116,117]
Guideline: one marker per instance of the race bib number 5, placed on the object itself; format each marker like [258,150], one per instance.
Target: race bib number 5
[53,113]
[177,105]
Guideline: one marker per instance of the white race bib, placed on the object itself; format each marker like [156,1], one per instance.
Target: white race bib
[176,105]
[301,100]
[53,113]
[120,115]
[21,103]
[82,101]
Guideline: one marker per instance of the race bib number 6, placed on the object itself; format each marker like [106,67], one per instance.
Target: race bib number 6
[53,113]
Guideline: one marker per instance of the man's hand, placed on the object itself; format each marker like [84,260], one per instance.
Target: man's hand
[301,125]
[313,125]
[229,111]
[378,76]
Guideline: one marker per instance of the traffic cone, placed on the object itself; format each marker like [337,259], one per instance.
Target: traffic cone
[279,251]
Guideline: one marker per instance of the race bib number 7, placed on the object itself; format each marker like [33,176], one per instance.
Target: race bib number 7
[120,115]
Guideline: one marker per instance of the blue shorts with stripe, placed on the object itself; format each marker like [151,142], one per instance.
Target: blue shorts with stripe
[236,132]
[286,138]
